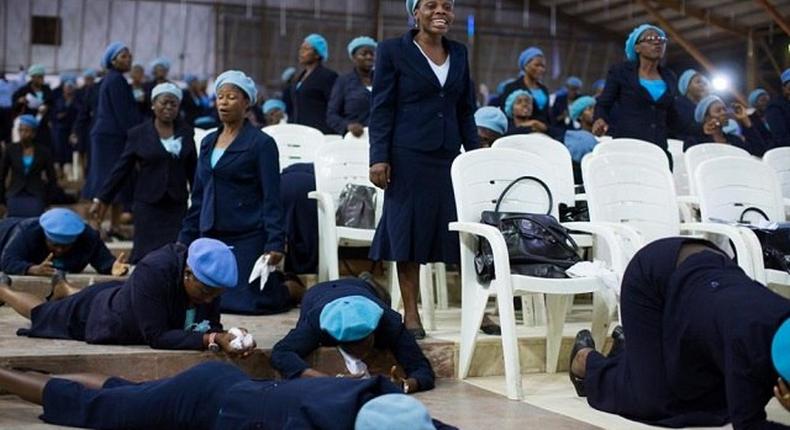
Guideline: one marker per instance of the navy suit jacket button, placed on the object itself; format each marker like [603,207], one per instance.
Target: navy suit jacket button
[441,94]
[441,115]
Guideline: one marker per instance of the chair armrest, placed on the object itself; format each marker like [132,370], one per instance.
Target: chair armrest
[606,234]
[494,238]
[323,199]
[747,246]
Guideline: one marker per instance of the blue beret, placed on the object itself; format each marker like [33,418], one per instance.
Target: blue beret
[780,350]
[288,73]
[574,81]
[213,263]
[166,88]
[36,70]
[239,79]
[685,80]
[112,50]
[599,84]
[527,55]
[754,95]
[394,412]
[511,100]
[61,226]
[205,122]
[500,88]
[349,319]
[360,42]
[273,104]
[702,107]
[491,118]
[786,76]
[630,43]
[28,120]
[320,45]
[160,62]
[89,73]
[579,105]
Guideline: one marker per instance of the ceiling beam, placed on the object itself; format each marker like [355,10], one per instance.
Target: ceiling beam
[775,15]
[706,16]
[576,22]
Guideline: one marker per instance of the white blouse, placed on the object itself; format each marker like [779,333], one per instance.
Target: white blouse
[440,71]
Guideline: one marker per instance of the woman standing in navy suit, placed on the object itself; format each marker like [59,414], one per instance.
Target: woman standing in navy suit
[162,150]
[422,112]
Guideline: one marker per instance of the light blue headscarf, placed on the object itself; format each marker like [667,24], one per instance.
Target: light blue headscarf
[166,88]
[685,80]
[579,105]
[754,95]
[287,74]
[780,350]
[491,118]
[511,100]
[239,79]
[112,51]
[36,70]
[786,76]
[527,55]
[702,107]
[574,81]
[160,62]
[360,42]
[599,84]
[89,73]
[28,120]
[320,45]
[500,88]
[630,43]
[273,104]
[189,78]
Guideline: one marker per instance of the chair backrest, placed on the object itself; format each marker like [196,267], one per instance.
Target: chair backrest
[726,186]
[296,143]
[679,172]
[554,153]
[332,138]
[340,163]
[632,189]
[779,160]
[201,134]
[364,138]
[698,154]
[632,146]
[479,177]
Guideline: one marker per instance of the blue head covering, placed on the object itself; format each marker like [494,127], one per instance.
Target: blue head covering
[28,120]
[511,100]
[500,88]
[599,84]
[351,318]
[89,73]
[189,78]
[579,143]
[166,88]
[394,412]
[61,226]
[685,80]
[68,80]
[160,62]
[579,105]
[112,50]
[491,118]
[320,45]
[630,43]
[239,79]
[273,104]
[702,107]
[213,263]
[786,76]
[574,81]
[360,42]
[527,55]
[288,73]
[754,95]
[205,122]
[780,350]
[36,70]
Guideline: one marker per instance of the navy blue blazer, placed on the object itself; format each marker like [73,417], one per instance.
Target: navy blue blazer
[89,103]
[349,103]
[751,141]
[150,307]
[159,173]
[641,117]
[542,115]
[26,246]
[778,116]
[689,128]
[761,125]
[309,100]
[240,194]
[288,354]
[30,181]
[411,110]
[117,110]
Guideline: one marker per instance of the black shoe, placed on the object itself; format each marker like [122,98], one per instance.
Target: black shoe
[583,340]
[418,333]
[618,341]
[492,329]
[58,277]
[5,279]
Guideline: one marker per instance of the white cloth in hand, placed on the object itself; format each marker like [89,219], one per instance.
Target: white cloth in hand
[242,340]
[261,269]
[354,365]
[33,102]
[597,269]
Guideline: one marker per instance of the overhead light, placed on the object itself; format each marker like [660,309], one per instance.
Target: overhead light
[720,83]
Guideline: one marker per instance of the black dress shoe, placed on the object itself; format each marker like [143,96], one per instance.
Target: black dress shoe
[618,341]
[418,333]
[492,329]
[583,340]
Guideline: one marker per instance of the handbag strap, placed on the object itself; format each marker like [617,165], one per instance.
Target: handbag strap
[752,209]
[522,179]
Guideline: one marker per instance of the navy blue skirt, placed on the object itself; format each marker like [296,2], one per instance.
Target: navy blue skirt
[301,218]
[105,152]
[189,400]
[25,205]
[418,206]
[156,225]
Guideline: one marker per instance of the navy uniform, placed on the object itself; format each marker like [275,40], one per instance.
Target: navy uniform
[349,103]
[89,103]
[309,98]
[43,134]
[540,113]
[301,218]
[777,114]
[698,350]
[751,141]
[238,202]
[288,354]
[27,193]
[417,126]
[150,308]
[689,128]
[160,193]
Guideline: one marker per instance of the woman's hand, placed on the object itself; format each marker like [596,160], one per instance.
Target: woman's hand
[97,210]
[711,126]
[380,175]
[119,267]
[536,125]
[782,393]
[356,129]
[275,257]
[43,269]
[600,127]
[740,114]
[408,385]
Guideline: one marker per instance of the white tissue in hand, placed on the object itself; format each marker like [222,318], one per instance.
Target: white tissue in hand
[33,102]
[597,269]
[262,269]
[241,340]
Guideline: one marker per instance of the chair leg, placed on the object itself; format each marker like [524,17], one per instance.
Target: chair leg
[601,319]
[473,306]
[507,321]
[533,310]
[426,295]
[394,280]
[557,306]
[442,301]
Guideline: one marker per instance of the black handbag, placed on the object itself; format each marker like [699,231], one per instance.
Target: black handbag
[356,207]
[537,244]
[775,242]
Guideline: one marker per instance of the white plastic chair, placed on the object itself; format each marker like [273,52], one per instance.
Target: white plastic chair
[726,186]
[679,172]
[296,143]
[478,179]
[328,138]
[698,154]
[201,134]
[364,138]
[632,146]
[779,160]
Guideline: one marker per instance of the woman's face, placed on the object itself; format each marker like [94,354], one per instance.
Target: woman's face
[197,292]
[651,45]
[123,61]
[487,137]
[434,16]
[26,133]
[232,103]
[137,75]
[274,116]
[362,348]
[698,87]
[165,107]
[536,68]
[762,102]
[364,58]
[587,115]
[717,111]
[522,108]
[37,81]
[307,55]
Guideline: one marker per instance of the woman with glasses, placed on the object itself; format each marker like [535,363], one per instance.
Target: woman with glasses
[643,89]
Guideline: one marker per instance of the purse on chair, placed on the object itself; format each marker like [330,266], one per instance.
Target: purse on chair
[537,244]
[774,241]
[356,207]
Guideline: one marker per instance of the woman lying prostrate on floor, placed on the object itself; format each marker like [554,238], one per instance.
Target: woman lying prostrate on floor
[57,240]
[721,125]
[352,315]
[219,396]
[169,302]
[706,345]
